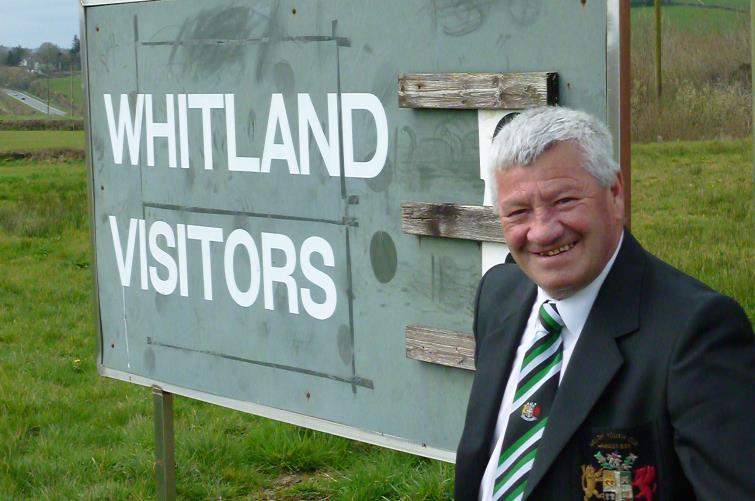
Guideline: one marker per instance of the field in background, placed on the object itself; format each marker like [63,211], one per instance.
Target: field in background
[717,13]
[67,433]
[706,75]
[16,140]
[11,108]
[707,91]
[63,88]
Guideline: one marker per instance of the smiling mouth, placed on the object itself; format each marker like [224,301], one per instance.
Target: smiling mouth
[557,251]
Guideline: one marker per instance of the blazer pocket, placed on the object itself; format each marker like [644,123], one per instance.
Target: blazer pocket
[619,463]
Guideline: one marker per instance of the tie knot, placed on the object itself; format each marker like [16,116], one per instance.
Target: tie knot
[549,317]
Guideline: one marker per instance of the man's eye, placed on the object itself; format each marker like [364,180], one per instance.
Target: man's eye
[565,200]
[517,212]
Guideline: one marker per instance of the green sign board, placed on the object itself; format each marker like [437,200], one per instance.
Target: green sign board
[248,165]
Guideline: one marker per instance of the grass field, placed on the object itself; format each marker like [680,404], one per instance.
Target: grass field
[11,140]
[66,433]
[693,206]
[706,74]
[62,88]
[702,16]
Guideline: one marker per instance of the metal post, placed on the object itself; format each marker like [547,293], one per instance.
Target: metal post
[165,462]
[658,28]
[625,106]
[70,74]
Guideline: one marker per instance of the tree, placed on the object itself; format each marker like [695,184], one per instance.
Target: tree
[75,46]
[74,52]
[15,56]
[49,55]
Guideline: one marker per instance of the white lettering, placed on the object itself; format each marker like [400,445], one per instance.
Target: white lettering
[168,285]
[328,147]
[277,264]
[183,131]
[324,310]
[127,129]
[183,276]
[368,168]
[206,102]
[278,151]
[124,266]
[143,254]
[236,163]
[280,274]
[165,129]
[205,234]
[242,238]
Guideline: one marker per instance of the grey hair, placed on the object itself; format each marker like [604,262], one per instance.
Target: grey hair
[533,131]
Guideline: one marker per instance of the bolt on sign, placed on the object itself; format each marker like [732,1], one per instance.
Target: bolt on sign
[288,208]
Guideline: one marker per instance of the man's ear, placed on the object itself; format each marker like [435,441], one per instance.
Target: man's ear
[617,195]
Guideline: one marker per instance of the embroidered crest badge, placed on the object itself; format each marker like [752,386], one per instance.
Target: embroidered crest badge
[531,411]
[616,472]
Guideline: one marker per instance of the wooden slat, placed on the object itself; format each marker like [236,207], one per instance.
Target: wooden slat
[469,222]
[438,346]
[477,90]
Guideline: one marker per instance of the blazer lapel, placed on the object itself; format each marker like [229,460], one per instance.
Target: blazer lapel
[596,358]
[498,346]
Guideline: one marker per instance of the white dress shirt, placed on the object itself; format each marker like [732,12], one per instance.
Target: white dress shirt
[574,311]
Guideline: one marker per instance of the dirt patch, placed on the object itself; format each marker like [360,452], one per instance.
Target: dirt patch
[44,155]
[42,124]
[280,488]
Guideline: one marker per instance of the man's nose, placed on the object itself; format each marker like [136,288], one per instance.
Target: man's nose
[545,228]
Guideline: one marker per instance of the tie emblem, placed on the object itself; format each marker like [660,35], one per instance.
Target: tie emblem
[531,411]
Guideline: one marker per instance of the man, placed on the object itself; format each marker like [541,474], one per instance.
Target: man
[602,372]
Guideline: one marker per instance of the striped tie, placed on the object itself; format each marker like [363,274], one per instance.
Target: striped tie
[535,392]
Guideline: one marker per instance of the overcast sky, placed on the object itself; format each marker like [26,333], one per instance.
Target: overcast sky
[29,23]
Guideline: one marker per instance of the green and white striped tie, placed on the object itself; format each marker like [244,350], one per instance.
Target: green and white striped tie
[535,392]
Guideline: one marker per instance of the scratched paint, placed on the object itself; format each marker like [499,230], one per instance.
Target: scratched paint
[461,17]
[345,344]
[212,27]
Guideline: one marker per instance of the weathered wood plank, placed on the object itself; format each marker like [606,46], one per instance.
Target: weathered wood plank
[469,222]
[438,346]
[477,90]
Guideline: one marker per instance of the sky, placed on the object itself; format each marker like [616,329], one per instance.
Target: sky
[30,23]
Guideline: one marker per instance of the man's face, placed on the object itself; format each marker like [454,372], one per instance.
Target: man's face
[560,224]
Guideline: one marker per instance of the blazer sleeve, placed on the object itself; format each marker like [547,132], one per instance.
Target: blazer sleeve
[711,400]
[477,313]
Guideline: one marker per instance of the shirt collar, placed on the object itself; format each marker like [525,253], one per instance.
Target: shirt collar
[575,308]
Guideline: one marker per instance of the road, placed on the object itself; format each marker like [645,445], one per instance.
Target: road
[33,102]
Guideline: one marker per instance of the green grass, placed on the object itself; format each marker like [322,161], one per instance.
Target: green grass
[67,433]
[61,87]
[693,207]
[699,17]
[38,139]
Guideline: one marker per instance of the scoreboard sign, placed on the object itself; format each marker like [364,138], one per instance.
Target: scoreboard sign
[285,194]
